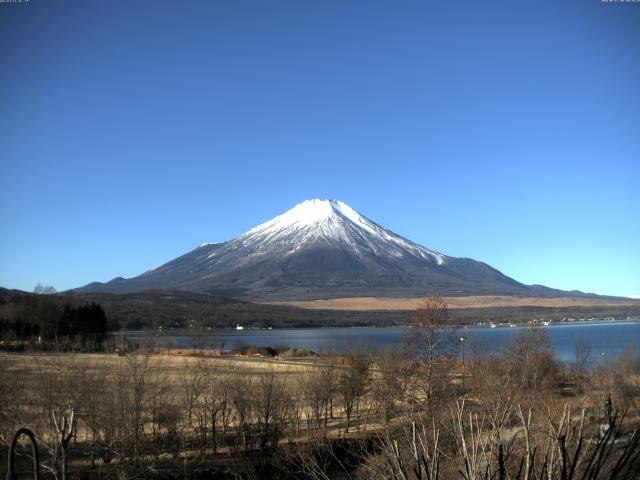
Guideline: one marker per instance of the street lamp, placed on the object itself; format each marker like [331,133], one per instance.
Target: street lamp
[462,345]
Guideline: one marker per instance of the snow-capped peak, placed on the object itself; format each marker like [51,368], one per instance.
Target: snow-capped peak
[305,213]
[308,213]
[332,220]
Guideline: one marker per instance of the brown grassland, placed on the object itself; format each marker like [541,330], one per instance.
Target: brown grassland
[486,301]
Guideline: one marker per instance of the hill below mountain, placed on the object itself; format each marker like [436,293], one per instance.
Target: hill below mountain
[178,309]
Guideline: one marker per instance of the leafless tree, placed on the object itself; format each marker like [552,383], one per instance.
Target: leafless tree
[555,445]
[44,289]
[532,360]
[271,407]
[319,458]
[320,387]
[58,399]
[582,360]
[206,394]
[10,392]
[353,380]
[241,397]
[412,452]
[429,344]
[390,382]
[162,415]
[218,393]
[91,384]
[618,378]
[127,405]
[297,403]
[198,334]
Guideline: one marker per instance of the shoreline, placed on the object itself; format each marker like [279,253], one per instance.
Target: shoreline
[233,331]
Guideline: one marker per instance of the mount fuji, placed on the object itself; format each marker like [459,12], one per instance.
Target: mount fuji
[321,249]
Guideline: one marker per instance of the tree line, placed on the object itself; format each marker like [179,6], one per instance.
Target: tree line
[49,321]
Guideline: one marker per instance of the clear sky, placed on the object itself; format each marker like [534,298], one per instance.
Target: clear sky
[508,132]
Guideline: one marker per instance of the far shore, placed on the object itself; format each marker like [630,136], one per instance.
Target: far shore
[477,301]
[483,324]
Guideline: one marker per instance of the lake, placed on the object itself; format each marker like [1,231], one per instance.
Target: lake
[607,339]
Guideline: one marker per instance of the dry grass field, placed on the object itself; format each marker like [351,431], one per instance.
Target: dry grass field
[171,367]
[410,303]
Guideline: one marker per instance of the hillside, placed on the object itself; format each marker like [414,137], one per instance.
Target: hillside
[151,309]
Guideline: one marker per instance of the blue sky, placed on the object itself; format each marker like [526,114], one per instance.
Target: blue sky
[508,132]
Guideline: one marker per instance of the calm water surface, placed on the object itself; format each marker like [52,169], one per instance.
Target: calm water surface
[607,339]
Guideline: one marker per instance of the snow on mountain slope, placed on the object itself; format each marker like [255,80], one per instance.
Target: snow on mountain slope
[335,221]
[319,249]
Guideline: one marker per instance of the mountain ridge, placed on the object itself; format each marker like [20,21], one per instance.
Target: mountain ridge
[321,249]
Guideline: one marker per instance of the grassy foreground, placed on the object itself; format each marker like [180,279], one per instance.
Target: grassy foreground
[519,414]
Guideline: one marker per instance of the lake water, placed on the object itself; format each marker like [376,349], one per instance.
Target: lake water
[607,339]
